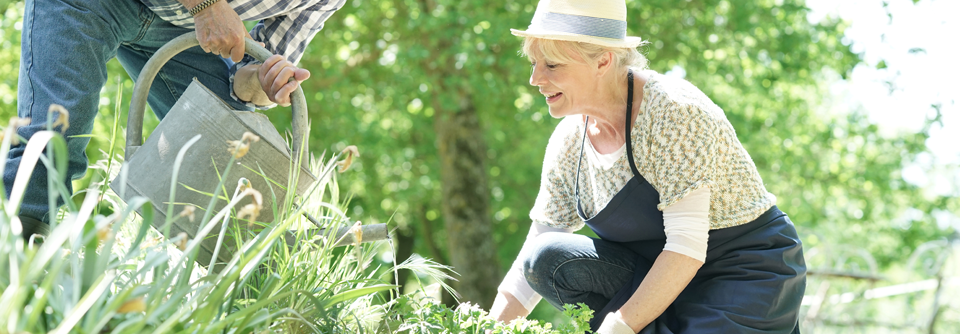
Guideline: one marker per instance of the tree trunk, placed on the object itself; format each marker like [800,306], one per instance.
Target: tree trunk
[465,203]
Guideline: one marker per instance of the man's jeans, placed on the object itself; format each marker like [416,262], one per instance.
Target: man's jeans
[65,48]
[569,268]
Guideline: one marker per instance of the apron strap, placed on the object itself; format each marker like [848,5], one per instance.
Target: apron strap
[586,122]
[630,161]
[576,182]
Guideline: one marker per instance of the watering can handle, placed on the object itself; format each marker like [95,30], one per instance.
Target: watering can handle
[141,89]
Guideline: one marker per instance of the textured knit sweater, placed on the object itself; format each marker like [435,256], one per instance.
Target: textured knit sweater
[681,141]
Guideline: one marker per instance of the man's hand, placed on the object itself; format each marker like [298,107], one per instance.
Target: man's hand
[270,82]
[279,78]
[219,29]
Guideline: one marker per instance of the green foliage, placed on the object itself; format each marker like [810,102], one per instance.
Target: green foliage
[384,72]
[10,14]
[915,298]
[408,314]
[116,275]
[580,316]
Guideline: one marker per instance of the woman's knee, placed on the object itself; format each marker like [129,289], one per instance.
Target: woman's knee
[547,252]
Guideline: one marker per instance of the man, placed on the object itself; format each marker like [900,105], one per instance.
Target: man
[66,45]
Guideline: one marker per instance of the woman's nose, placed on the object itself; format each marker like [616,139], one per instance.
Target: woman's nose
[536,76]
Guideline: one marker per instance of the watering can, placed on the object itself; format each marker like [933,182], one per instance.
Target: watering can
[148,169]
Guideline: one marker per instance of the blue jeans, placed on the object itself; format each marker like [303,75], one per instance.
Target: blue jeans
[752,281]
[570,268]
[65,47]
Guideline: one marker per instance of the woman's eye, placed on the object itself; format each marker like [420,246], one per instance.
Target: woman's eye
[550,66]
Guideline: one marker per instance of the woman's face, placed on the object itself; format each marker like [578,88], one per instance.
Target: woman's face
[568,87]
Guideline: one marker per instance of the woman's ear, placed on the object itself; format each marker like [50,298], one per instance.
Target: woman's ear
[604,63]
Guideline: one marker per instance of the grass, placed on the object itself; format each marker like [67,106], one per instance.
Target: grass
[94,273]
[102,268]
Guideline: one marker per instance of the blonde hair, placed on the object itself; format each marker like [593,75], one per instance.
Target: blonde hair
[557,51]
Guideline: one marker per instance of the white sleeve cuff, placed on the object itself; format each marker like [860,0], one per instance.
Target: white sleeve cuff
[687,225]
[614,324]
[514,282]
[516,285]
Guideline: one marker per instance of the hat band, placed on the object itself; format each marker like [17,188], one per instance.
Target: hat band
[584,25]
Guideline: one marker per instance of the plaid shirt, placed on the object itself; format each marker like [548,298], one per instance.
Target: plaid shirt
[285,27]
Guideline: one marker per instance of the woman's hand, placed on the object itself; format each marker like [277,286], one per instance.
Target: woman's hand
[613,323]
[507,308]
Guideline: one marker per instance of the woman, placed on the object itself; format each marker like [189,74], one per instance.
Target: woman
[690,240]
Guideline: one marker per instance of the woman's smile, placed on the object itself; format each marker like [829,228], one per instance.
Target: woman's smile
[552,97]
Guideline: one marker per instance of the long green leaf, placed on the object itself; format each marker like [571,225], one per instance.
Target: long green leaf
[356,293]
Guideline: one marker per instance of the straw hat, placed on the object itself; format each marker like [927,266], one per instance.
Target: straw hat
[602,22]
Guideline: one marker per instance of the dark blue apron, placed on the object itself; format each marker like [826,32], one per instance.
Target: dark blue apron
[753,278]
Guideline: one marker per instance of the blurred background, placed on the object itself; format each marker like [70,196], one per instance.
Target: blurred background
[849,110]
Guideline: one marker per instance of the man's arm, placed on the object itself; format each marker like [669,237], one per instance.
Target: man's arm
[220,31]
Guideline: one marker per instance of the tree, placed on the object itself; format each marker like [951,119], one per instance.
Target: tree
[436,97]
[391,67]
[406,80]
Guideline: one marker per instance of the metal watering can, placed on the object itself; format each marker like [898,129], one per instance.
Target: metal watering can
[149,168]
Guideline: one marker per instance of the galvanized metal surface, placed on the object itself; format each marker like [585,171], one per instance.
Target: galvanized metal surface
[149,168]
